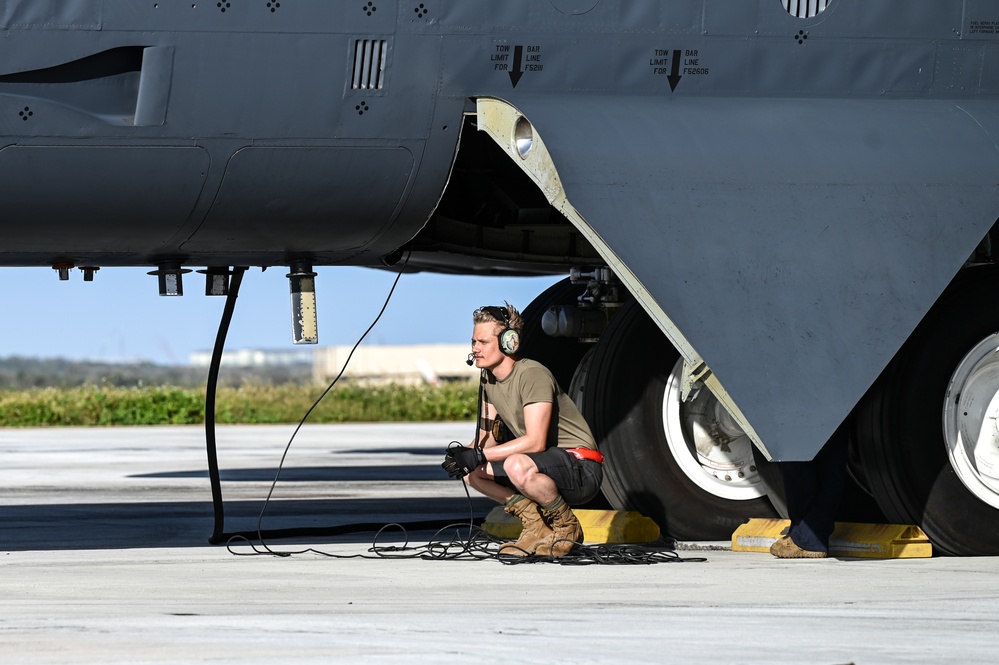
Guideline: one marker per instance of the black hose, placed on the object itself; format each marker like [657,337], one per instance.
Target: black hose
[213,381]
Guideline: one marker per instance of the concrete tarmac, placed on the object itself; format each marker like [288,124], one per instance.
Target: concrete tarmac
[104,559]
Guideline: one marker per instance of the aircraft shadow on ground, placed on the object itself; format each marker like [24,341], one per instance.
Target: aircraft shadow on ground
[133,524]
[189,524]
[414,472]
[431,452]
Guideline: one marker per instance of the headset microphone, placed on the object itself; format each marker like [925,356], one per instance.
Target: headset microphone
[471,359]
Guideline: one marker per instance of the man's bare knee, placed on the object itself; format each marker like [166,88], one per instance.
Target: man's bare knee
[519,468]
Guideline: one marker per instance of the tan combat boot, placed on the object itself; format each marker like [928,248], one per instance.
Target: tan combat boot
[785,548]
[566,531]
[535,530]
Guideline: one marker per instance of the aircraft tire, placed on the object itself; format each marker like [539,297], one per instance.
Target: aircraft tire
[623,400]
[904,448]
[577,387]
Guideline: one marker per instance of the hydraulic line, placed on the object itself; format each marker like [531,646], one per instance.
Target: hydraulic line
[213,381]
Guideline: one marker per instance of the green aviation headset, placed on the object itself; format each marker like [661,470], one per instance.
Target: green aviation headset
[509,339]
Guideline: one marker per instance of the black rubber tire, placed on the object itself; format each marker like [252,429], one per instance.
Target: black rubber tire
[578,385]
[900,436]
[858,503]
[623,402]
[561,355]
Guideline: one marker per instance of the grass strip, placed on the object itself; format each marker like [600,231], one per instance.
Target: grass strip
[248,404]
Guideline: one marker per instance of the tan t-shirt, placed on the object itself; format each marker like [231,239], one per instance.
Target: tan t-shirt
[531,382]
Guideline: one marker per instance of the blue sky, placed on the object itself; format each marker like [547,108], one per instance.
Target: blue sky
[120,315]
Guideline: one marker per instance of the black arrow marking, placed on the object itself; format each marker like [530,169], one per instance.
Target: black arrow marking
[518,53]
[674,76]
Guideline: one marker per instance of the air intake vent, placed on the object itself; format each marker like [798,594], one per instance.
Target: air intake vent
[805,8]
[369,64]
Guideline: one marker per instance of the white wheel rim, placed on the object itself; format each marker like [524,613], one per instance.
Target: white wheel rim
[707,445]
[971,420]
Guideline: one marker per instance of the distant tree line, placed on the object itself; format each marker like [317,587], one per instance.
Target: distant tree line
[18,373]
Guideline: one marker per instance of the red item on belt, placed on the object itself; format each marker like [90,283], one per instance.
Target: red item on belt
[586,453]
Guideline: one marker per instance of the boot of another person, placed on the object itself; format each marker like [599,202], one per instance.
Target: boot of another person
[566,531]
[535,530]
[785,548]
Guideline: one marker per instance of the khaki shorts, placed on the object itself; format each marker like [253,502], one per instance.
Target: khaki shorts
[577,480]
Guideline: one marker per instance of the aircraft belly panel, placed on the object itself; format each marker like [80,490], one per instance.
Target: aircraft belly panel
[105,198]
[301,199]
[795,244]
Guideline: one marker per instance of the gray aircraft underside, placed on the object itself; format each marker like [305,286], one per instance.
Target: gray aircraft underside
[786,196]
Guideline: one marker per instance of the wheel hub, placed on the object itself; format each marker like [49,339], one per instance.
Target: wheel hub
[708,445]
[971,420]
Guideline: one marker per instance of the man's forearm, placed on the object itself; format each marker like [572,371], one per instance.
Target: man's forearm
[524,444]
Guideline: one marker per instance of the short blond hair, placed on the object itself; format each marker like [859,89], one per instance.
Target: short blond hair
[485,315]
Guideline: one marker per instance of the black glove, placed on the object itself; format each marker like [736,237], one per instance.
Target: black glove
[459,462]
